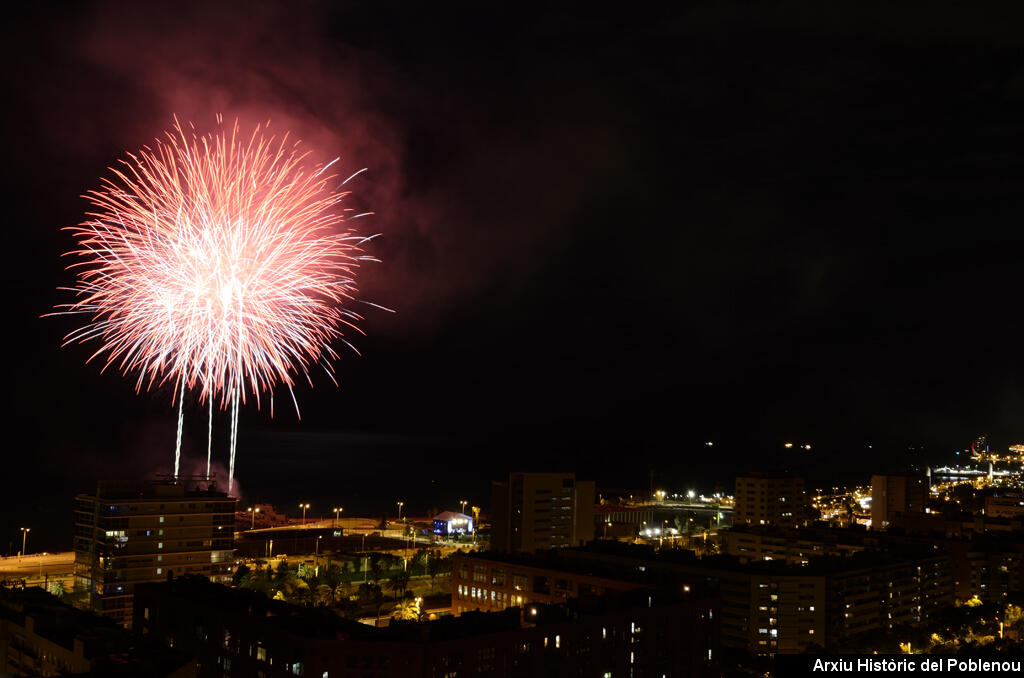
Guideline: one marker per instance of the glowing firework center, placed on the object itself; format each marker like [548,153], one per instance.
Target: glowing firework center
[217,265]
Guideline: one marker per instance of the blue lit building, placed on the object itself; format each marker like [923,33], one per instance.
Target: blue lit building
[452,522]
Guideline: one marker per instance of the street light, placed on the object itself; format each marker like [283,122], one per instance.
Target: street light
[253,511]
[336,516]
[24,535]
[400,505]
[303,507]
[463,502]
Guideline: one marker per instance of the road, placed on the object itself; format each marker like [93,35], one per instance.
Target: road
[40,568]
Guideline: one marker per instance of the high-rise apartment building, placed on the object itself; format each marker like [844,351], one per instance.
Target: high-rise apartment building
[126,534]
[770,499]
[902,493]
[772,607]
[535,511]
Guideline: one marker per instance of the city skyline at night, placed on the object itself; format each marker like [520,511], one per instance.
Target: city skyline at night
[712,292]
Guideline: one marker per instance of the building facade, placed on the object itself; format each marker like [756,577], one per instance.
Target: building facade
[487,584]
[539,511]
[127,534]
[770,499]
[751,543]
[771,607]
[1004,507]
[41,636]
[235,632]
[900,494]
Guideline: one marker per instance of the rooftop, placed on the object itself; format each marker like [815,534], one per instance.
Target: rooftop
[319,622]
[158,489]
[107,645]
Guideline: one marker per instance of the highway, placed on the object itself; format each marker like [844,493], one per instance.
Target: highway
[39,568]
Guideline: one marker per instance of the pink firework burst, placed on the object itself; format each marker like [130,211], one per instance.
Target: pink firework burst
[218,263]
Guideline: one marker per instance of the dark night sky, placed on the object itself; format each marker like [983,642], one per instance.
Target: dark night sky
[607,237]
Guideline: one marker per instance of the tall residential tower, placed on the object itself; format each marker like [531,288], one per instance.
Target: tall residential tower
[129,533]
[536,511]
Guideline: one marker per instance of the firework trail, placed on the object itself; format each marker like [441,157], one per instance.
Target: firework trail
[219,265]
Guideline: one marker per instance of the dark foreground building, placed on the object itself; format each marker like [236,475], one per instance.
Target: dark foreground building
[129,533]
[41,636]
[235,632]
[771,607]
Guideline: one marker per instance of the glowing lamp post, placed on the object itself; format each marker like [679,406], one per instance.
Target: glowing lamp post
[303,507]
[400,505]
[24,535]
[337,512]
[253,511]
[476,519]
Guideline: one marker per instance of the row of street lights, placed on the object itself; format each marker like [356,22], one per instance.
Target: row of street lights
[253,510]
[337,513]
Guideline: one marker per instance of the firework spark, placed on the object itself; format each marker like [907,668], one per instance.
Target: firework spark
[216,263]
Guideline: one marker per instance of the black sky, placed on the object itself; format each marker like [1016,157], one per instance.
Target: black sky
[608,237]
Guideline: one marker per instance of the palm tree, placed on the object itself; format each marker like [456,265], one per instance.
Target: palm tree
[56,588]
[435,566]
[408,609]
[399,583]
[376,568]
[294,589]
[372,593]
[305,572]
[282,572]
[325,594]
[241,573]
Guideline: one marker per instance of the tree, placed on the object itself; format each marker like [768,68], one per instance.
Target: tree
[446,565]
[408,609]
[333,575]
[325,594]
[56,588]
[421,559]
[376,567]
[435,566]
[248,580]
[241,573]
[306,572]
[296,590]
[372,593]
[399,583]
[282,572]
